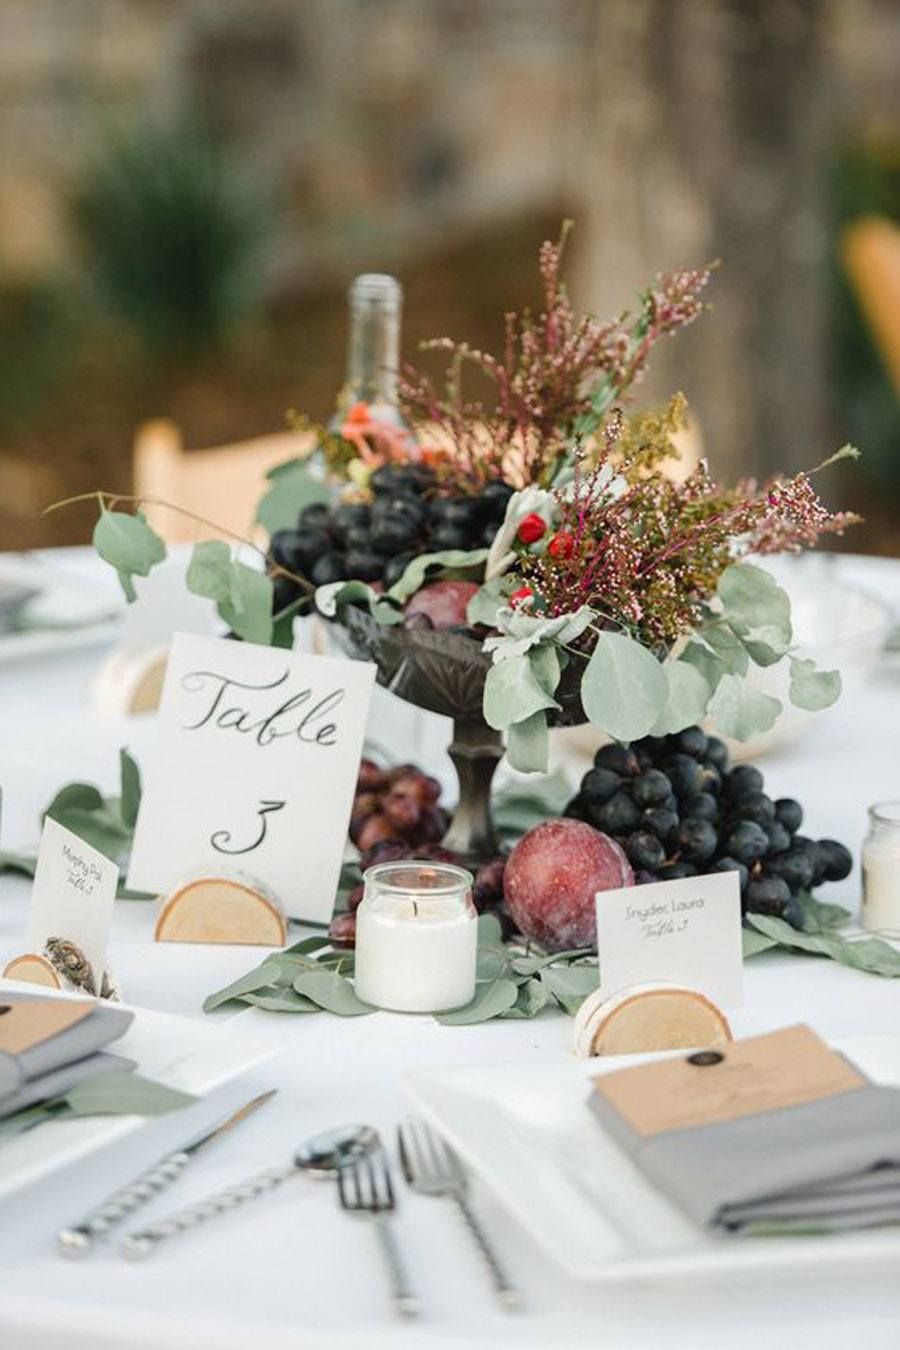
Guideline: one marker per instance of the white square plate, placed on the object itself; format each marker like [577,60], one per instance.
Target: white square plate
[527,1131]
[182,1052]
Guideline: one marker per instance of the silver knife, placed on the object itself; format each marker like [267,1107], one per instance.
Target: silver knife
[78,1239]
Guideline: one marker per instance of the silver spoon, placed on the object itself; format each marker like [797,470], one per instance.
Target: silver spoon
[322,1155]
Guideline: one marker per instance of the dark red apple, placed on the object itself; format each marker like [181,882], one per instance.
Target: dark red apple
[552,877]
[442,602]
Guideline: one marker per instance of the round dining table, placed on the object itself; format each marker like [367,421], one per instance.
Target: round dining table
[292,1270]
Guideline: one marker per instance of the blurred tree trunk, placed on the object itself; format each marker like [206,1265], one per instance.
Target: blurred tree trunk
[706,125]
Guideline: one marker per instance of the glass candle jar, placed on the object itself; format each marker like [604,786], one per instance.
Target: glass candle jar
[881,870]
[416,937]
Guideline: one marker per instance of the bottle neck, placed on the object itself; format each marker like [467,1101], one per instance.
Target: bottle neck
[373,348]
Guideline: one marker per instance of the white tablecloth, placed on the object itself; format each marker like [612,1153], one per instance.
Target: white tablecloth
[291,1270]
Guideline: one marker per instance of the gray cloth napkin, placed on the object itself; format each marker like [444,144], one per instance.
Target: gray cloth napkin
[56,1064]
[825,1166]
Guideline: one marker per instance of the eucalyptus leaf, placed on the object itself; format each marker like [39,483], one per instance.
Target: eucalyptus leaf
[490,931]
[332,992]
[11,861]
[81,796]
[753,942]
[728,647]
[129,545]
[740,711]
[307,946]
[490,1001]
[872,954]
[491,963]
[103,829]
[751,597]
[624,688]
[699,656]
[124,1094]
[332,597]
[521,631]
[264,976]
[765,645]
[528,744]
[130,788]
[248,611]
[686,700]
[285,1000]
[242,594]
[292,487]
[533,996]
[817,915]
[488,600]
[546,666]
[570,985]
[813,689]
[451,563]
[512,693]
[209,570]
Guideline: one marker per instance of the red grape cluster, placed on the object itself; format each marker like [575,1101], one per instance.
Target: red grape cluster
[678,809]
[396,816]
[396,805]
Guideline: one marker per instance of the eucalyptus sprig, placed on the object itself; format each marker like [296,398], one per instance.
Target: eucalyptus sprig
[513,980]
[242,594]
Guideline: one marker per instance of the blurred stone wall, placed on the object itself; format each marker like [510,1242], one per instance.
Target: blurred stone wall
[369,125]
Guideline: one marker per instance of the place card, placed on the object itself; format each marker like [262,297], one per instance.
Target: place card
[253,767]
[685,932]
[72,904]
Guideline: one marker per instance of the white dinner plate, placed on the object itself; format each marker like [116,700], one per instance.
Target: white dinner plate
[182,1052]
[62,609]
[527,1131]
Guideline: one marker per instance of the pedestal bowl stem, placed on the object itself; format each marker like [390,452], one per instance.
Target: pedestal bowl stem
[476,750]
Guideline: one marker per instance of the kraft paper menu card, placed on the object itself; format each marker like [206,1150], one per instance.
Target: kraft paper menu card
[253,770]
[777,1133]
[764,1073]
[685,932]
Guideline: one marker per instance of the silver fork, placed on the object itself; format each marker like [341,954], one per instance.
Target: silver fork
[432,1168]
[365,1187]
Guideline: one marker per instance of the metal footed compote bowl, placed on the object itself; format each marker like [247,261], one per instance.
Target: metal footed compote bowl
[443,671]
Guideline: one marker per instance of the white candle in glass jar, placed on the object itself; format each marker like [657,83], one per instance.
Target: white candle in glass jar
[416,937]
[881,871]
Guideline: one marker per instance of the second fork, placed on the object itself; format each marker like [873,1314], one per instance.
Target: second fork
[365,1187]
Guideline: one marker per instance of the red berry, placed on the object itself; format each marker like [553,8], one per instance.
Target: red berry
[531,528]
[520,596]
[562,545]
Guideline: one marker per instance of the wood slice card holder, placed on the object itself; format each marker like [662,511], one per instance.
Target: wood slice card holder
[648,1017]
[227,908]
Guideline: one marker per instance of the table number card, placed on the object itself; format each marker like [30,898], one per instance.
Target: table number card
[253,770]
[73,897]
[683,932]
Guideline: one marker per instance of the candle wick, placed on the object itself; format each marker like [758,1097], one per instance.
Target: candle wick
[415,905]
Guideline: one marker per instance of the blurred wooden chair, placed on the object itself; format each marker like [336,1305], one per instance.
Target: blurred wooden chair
[870,252]
[223,484]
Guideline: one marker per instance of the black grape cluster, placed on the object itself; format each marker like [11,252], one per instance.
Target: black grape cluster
[678,809]
[375,541]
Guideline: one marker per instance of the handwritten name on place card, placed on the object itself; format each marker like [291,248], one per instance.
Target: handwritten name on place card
[685,932]
[253,768]
[73,896]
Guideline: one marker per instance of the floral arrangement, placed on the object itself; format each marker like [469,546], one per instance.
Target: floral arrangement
[552,506]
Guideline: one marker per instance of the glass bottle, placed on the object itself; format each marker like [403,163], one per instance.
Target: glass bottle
[373,348]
